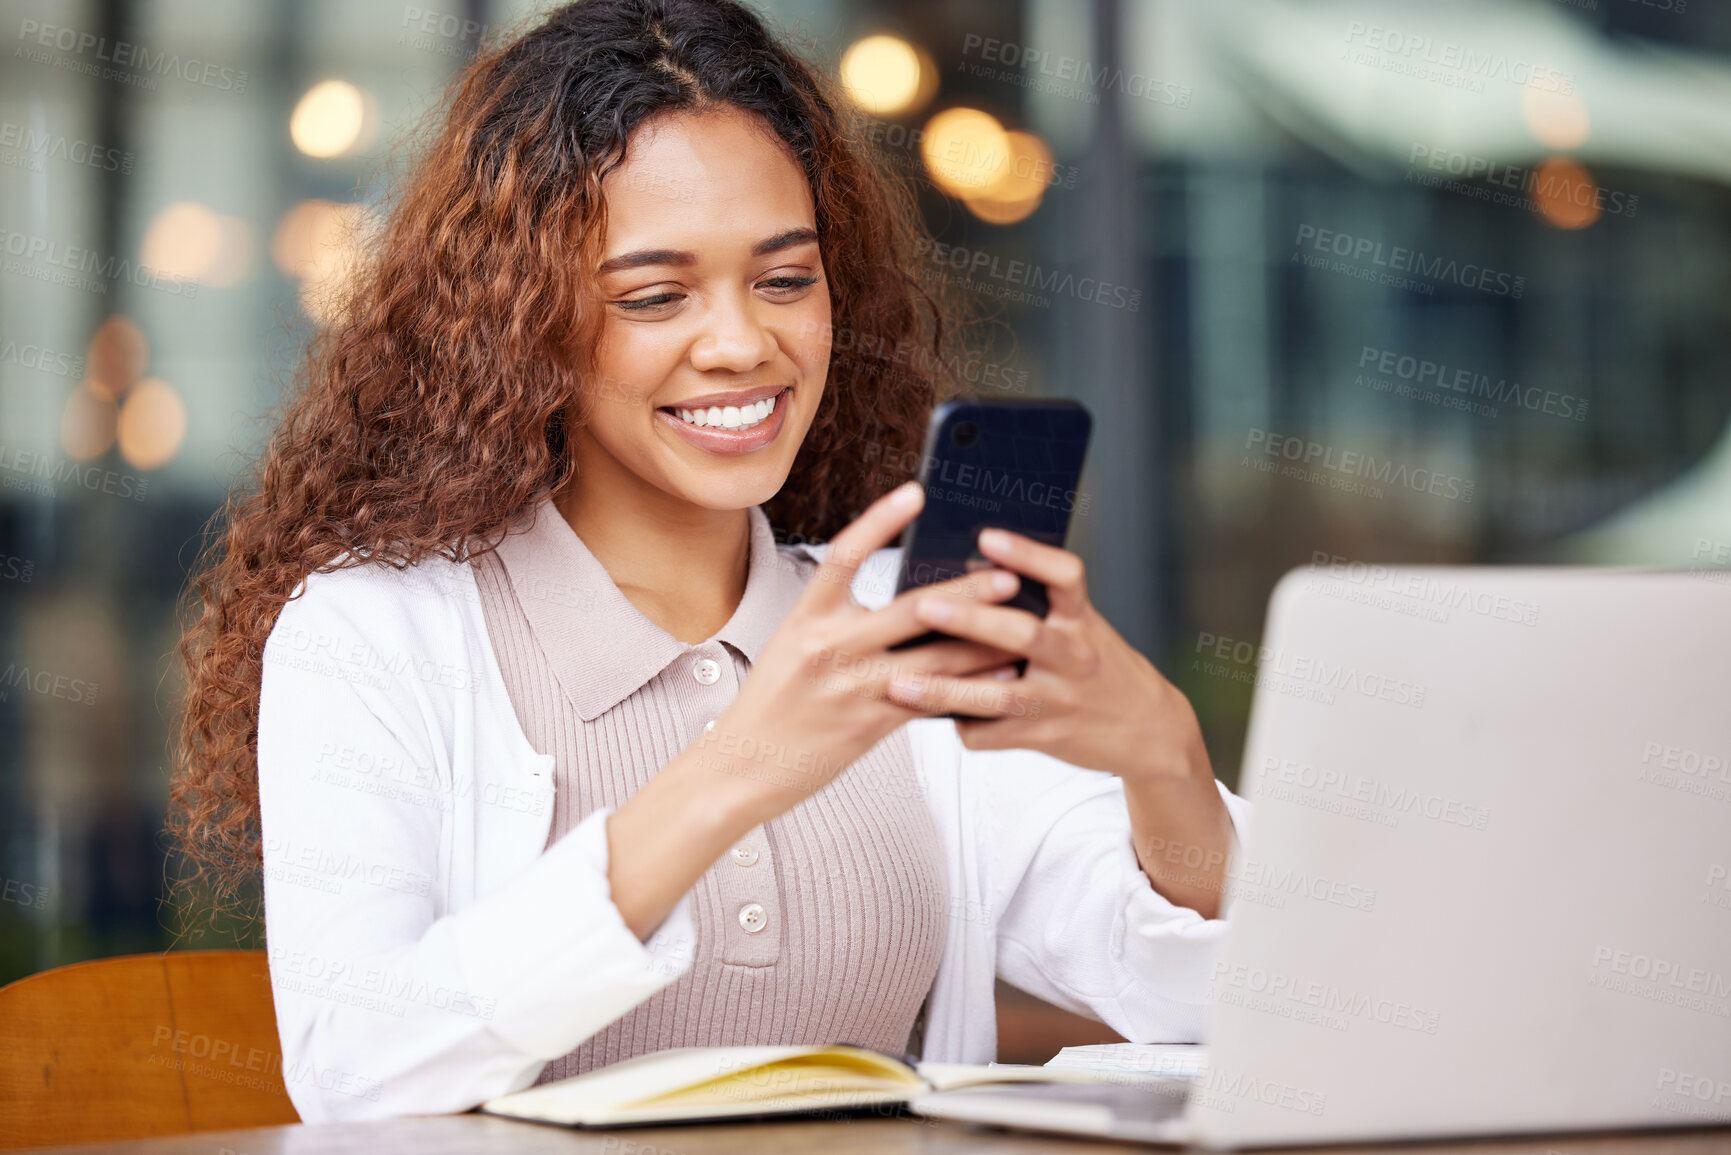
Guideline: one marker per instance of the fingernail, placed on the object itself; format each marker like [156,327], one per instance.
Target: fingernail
[935,610]
[1004,583]
[994,539]
[907,495]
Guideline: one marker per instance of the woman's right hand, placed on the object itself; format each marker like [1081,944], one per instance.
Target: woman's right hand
[816,699]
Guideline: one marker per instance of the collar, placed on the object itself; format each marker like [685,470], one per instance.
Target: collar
[600,646]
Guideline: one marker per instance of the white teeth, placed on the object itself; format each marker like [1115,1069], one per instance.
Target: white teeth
[733,417]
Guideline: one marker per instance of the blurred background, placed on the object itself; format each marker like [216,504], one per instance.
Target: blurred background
[1344,283]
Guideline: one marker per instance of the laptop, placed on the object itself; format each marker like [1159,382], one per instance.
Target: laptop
[1487,885]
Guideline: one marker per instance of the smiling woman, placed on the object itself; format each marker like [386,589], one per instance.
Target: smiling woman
[658,781]
[718,321]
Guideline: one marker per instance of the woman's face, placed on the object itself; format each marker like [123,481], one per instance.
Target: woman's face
[716,311]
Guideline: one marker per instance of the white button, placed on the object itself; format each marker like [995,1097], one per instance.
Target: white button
[752,917]
[745,854]
[706,671]
[709,725]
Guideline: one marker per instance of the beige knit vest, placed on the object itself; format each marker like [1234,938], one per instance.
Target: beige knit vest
[851,881]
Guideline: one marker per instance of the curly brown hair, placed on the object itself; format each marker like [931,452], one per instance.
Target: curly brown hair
[435,409]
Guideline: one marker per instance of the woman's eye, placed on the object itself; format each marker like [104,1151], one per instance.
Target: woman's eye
[650,304]
[788,284]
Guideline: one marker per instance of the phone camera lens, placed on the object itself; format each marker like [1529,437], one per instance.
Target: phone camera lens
[965,434]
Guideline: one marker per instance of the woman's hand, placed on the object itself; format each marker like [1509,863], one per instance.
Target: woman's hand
[816,699]
[1088,698]
[817,696]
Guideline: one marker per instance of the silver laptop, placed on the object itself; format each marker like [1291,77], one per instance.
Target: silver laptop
[1487,885]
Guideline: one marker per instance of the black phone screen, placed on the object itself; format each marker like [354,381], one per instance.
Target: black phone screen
[1012,465]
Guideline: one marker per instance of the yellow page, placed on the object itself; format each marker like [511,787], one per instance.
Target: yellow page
[950,1076]
[706,1081]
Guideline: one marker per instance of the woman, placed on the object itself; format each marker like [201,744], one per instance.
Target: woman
[471,675]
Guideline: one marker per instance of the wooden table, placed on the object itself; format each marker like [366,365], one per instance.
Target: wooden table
[484,1135]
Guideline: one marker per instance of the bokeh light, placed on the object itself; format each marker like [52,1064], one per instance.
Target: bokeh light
[116,357]
[189,242]
[965,151]
[1020,185]
[87,423]
[152,424]
[322,243]
[1566,194]
[887,76]
[329,119]
[1556,119]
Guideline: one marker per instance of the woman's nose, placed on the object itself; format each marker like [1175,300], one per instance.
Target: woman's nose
[733,339]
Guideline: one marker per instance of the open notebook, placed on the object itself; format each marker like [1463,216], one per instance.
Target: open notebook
[717,1082]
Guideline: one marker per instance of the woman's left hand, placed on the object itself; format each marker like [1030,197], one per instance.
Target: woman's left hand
[1086,697]
[1091,700]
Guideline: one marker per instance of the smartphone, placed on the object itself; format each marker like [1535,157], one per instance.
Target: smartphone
[1012,464]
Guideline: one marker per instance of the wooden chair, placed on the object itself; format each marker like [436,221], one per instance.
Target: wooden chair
[148,1044]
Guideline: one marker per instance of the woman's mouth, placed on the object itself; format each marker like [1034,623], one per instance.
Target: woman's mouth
[729,417]
[730,430]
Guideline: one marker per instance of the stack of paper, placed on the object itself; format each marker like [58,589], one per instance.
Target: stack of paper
[1155,1060]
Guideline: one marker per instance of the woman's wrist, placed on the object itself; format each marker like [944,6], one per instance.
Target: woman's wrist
[750,772]
[662,839]
[1170,750]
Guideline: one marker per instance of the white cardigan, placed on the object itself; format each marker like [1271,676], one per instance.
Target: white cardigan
[426,955]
